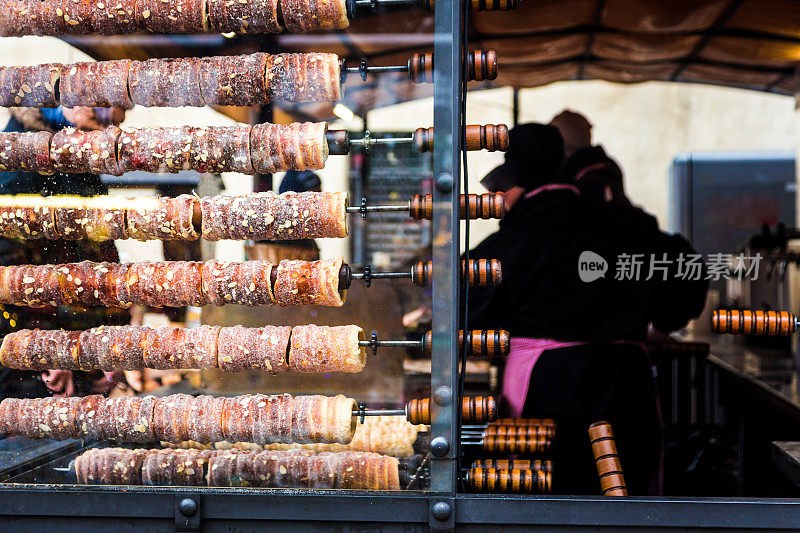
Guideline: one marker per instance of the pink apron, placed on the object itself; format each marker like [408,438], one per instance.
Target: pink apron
[553,187]
[524,353]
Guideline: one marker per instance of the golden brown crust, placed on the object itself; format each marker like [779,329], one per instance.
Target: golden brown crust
[327,349]
[248,283]
[86,152]
[234,80]
[309,283]
[168,348]
[29,86]
[218,149]
[171,417]
[174,467]
[265,216]
[259,418]
[99,218]
[156,149]
[95,84]
[301,16]
[242,349]
[28,150]
[251,16]
[295,146]
[310,77]
[323,419]
[162,218]
[166,284]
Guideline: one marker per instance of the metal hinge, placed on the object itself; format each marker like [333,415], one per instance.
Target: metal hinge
[187,512]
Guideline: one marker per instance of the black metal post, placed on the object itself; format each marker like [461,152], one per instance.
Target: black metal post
[515,106]
[446,247]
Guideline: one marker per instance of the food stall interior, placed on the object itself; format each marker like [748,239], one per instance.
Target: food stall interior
[395,426]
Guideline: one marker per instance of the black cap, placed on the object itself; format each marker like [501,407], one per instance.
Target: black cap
[535,153]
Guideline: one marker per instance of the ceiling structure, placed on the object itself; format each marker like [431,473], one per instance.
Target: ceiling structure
[752,44]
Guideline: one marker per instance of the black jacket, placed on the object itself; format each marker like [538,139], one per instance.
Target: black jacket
[539,243]
[593,172]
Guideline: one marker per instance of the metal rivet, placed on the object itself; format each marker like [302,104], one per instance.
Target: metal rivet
[444,182]
[440,446]
[187,507]
[441,511]
[443,395]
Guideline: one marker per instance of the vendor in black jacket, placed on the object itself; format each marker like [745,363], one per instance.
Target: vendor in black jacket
[576,331]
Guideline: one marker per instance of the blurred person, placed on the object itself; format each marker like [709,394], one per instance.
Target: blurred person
[576,352]
[17,383]
[596,175]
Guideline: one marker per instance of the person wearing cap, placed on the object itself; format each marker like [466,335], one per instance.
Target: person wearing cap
[576,331]
[595,174]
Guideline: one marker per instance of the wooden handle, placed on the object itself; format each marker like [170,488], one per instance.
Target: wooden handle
[490,137]
[516,481]
[524,422]
[482,66]
[478,5]
[418,411]
[512,464]
[485,206]
[609,468]
[514,444]
[420,68]
[749,322]
[483,343]
[474,409]
[481,272]
[478,409]
[543,433]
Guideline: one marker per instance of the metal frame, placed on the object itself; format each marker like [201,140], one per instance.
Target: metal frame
[100,509]
[446,245]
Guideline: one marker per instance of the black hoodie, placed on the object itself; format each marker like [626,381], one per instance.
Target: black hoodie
[595,174]
[539,244]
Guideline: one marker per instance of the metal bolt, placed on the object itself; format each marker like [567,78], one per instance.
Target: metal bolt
[444,182]
[187,507]
[443,395]
[441,511]
[440,446]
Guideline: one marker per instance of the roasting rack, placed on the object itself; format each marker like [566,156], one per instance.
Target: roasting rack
[489,137]
[474,409]
[509,444]
[480,272]
[499,480]
[485,343]
[420,206]
[482,66]
[754,322]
